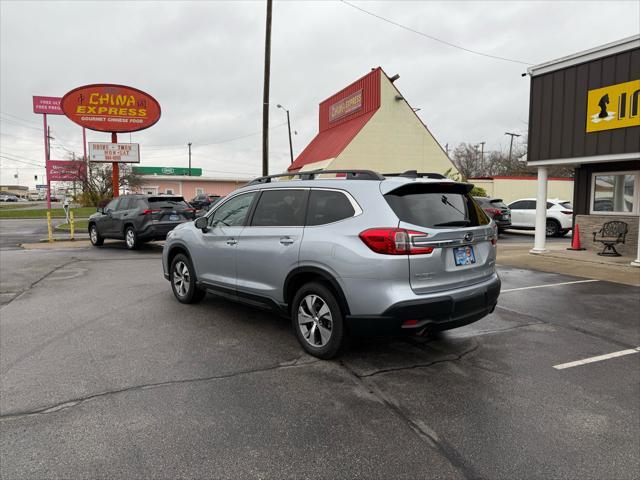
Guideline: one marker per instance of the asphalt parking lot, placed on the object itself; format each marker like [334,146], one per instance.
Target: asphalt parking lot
[104,375]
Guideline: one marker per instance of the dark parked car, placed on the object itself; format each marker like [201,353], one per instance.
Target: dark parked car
[496,209]
[205,201]
[138,218]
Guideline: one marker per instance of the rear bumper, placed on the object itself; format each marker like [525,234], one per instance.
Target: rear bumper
[436,313]
[158,231]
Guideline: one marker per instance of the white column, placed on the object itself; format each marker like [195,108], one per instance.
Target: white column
[636,262]
[541,213]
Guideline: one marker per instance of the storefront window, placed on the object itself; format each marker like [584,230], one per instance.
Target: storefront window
[615,193]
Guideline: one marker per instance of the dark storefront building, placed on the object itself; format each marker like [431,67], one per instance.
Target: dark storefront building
[584,113]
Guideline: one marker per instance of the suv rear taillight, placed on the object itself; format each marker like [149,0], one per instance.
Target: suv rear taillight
[567,212]
[393,241]
[149,211]
[494,211]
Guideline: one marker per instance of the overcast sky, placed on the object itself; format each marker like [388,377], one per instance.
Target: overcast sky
[203,61]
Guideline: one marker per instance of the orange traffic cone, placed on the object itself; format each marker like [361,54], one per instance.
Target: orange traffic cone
[575,241]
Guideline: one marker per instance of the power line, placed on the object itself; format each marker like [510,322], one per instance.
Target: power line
[21,161]
[19,118]
[17,124]
[195,144]
[436,39]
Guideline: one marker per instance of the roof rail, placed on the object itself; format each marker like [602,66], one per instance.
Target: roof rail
[415,174]
[310,175]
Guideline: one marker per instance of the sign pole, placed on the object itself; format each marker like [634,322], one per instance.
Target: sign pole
[115,175]
[86,159]
[46,160]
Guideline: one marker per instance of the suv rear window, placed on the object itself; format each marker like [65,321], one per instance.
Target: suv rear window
[167,202]
[436,206]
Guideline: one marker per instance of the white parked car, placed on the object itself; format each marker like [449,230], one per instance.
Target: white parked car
[559,215]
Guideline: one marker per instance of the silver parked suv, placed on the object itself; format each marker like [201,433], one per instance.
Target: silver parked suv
[343,252]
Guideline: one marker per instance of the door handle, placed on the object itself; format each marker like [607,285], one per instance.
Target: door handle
[286,241]
[231,241]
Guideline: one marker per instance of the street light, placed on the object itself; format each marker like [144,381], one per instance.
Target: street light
[289,127]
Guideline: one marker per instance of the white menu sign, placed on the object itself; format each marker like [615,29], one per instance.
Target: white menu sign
[114,152]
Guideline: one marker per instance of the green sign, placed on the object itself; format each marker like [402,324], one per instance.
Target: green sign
[195,172]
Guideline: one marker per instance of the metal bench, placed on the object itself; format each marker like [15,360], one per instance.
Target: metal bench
[610,235]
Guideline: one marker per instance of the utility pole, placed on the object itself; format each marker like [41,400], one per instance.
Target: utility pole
[265,95]
[189,158]
[511,144]
[482,157]
[73,156]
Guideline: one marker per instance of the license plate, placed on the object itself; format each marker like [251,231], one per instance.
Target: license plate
[174,218]
[464,255]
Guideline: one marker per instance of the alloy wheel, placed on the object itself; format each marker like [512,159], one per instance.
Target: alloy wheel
[131,238]
[181,278]
[315,320]
[93,233]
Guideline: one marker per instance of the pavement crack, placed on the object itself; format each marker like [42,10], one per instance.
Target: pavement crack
[420,428]
[44,277]
[420,365]
[294,363]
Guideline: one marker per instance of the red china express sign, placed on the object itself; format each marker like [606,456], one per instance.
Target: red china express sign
[111,108]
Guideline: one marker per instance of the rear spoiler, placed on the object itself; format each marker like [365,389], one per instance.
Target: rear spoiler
[426,187]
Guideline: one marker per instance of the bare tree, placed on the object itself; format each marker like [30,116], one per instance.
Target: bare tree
[98,184]
[465,158]
[497,162]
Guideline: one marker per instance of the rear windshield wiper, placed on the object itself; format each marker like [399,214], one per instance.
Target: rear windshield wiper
[446,201]
[455,223]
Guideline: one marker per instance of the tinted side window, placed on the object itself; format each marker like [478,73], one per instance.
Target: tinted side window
[280,208]
[111,206]
[125,203]
[233,212]
[326,206]
[523,205]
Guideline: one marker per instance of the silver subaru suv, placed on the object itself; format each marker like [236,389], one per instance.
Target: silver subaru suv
[343,252]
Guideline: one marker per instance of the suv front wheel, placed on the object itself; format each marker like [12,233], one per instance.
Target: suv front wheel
[183,280]
[318,320]
[94,236]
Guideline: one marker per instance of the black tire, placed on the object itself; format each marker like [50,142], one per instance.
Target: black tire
[184,292]
[312,335]
[131,238]
[552,228]
[96,239]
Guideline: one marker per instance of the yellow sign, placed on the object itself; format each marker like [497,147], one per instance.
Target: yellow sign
[615,106]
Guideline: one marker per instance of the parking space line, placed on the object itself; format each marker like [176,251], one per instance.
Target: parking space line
[599,358]
[549,285]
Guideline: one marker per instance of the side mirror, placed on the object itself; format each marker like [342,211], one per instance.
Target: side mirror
[202,223]
[100,210]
